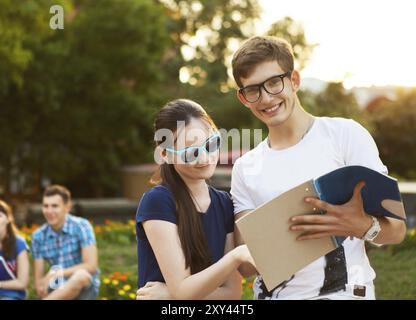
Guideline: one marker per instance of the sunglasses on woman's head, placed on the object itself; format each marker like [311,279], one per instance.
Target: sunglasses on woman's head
[191,154]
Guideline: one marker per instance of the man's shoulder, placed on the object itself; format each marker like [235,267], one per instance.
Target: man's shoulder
[337,127]
[335,122]
[40,232]
[343,127]
[251,155]
[78,222]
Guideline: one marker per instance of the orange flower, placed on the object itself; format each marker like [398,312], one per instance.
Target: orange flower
[115,275]
[132,222]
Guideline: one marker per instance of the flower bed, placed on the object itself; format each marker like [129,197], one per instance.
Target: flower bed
[113,238]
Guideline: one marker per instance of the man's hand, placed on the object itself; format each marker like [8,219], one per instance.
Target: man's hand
[348,219]
[43,288]
[51,275]
[153,291]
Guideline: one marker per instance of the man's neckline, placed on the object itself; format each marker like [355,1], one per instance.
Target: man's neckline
[306,133]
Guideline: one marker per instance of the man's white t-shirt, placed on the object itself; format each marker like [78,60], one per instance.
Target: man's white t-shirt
[264,173]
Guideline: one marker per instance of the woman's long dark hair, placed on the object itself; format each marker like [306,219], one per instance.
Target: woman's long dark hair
[9,241]
[191,234]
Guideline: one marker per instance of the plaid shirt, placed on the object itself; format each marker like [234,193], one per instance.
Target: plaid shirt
[63,249]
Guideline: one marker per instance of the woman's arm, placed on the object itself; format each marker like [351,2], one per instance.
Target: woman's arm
[246,269]
[22,280]
[164,240]
[231,289]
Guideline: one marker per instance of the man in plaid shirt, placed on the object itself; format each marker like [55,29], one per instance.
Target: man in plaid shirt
[67,244]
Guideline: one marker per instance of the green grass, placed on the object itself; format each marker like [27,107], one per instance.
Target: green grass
[395,266]
[395,273]
[122,258]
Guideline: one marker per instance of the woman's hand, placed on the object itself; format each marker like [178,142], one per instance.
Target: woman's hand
[243,255]
[153,291]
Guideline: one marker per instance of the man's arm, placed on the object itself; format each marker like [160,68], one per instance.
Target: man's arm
[393,231]
[245,269]
[40,283]
[89,261]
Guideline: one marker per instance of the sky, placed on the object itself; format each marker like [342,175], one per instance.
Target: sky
[361,42]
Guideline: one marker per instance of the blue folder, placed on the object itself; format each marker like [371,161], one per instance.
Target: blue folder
[381,195]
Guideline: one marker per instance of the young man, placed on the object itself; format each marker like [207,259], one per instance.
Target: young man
[67,244]
[300,147]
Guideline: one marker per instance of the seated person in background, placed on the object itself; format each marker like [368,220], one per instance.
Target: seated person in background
[14,260]
[67,244]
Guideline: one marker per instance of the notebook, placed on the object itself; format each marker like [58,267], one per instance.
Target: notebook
[275,250]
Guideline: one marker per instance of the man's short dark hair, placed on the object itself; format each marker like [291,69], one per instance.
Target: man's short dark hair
[257,50]
[59,190]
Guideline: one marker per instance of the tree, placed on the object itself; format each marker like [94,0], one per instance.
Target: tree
[218,92]
[205,34]
[86,94]
[294,33]
[82,100]
[22,27]
[395,131]
[334,101]
[202,31]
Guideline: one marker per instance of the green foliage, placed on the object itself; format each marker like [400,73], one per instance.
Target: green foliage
[395,131]
[21,23]
[394,265]
[206,31]
[293,32]
[396,273]
[334,101]
[409,243]
[118,265]
[205,28]
[219,95]
[81,99]
[117,248]
[116,233]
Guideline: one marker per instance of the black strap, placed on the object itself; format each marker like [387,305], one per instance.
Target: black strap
[336,276]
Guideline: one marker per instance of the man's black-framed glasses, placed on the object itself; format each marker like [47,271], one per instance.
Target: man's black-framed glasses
[273,86]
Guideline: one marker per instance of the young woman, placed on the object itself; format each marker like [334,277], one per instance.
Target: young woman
[184,226]
[14,260]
